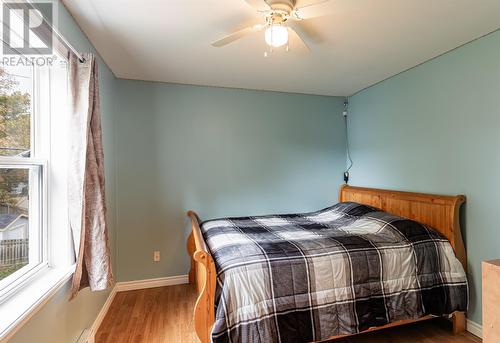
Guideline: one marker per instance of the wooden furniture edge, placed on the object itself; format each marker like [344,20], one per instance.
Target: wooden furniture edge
[490,276]
[396,323]
[376,328]
[203,275]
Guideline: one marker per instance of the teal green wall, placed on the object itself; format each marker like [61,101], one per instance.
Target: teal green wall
[436,129]
[61,320]
[221,152]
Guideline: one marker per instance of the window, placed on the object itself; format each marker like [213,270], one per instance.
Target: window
[36,252]
[32,172]
[22,177]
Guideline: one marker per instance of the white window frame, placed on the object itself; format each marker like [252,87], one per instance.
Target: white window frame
[51,152]
[48,195]
[38,197]
[58,259]
[37,236]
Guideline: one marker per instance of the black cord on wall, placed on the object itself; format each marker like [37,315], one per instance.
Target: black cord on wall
[349,162]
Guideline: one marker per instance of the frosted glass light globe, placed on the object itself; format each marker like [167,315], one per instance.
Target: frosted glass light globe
[276,35]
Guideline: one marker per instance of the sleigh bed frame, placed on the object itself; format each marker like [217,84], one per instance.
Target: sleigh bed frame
[438,211]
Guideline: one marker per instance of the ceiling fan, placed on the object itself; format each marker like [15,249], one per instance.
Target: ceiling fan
[280,19]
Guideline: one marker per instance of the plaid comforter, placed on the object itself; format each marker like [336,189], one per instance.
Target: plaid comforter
[341,270]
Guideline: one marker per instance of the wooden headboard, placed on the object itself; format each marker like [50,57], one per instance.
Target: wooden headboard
[441,212]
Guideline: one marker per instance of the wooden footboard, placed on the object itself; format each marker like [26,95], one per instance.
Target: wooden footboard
[203,275]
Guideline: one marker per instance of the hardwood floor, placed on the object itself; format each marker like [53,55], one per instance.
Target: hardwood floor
[155,315]
[164,315]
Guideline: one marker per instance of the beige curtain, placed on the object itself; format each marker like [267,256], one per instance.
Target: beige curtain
[86,196]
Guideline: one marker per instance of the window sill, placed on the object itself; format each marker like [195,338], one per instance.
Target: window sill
[20,307]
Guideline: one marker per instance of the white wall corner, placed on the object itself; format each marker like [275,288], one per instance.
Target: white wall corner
[101,315]
[474,328]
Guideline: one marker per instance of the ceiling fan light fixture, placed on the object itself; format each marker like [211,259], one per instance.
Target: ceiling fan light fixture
[276,35]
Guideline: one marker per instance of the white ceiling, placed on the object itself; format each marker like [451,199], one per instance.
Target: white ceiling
[360,43]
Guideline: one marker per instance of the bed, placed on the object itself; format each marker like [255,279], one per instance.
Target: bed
[376,259]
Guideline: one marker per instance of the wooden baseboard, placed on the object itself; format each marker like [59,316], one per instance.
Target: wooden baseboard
[132,286]
[474,328]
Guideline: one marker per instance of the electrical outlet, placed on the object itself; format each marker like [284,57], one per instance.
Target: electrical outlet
[156,256]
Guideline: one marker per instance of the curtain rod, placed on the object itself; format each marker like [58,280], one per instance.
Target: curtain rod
[58,34]
[67,44]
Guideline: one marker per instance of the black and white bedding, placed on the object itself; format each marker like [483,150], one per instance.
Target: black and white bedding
[341,270]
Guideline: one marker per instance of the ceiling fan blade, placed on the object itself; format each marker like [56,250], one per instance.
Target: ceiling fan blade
[237,35]
[259,5]
[300,36]
[315,10]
